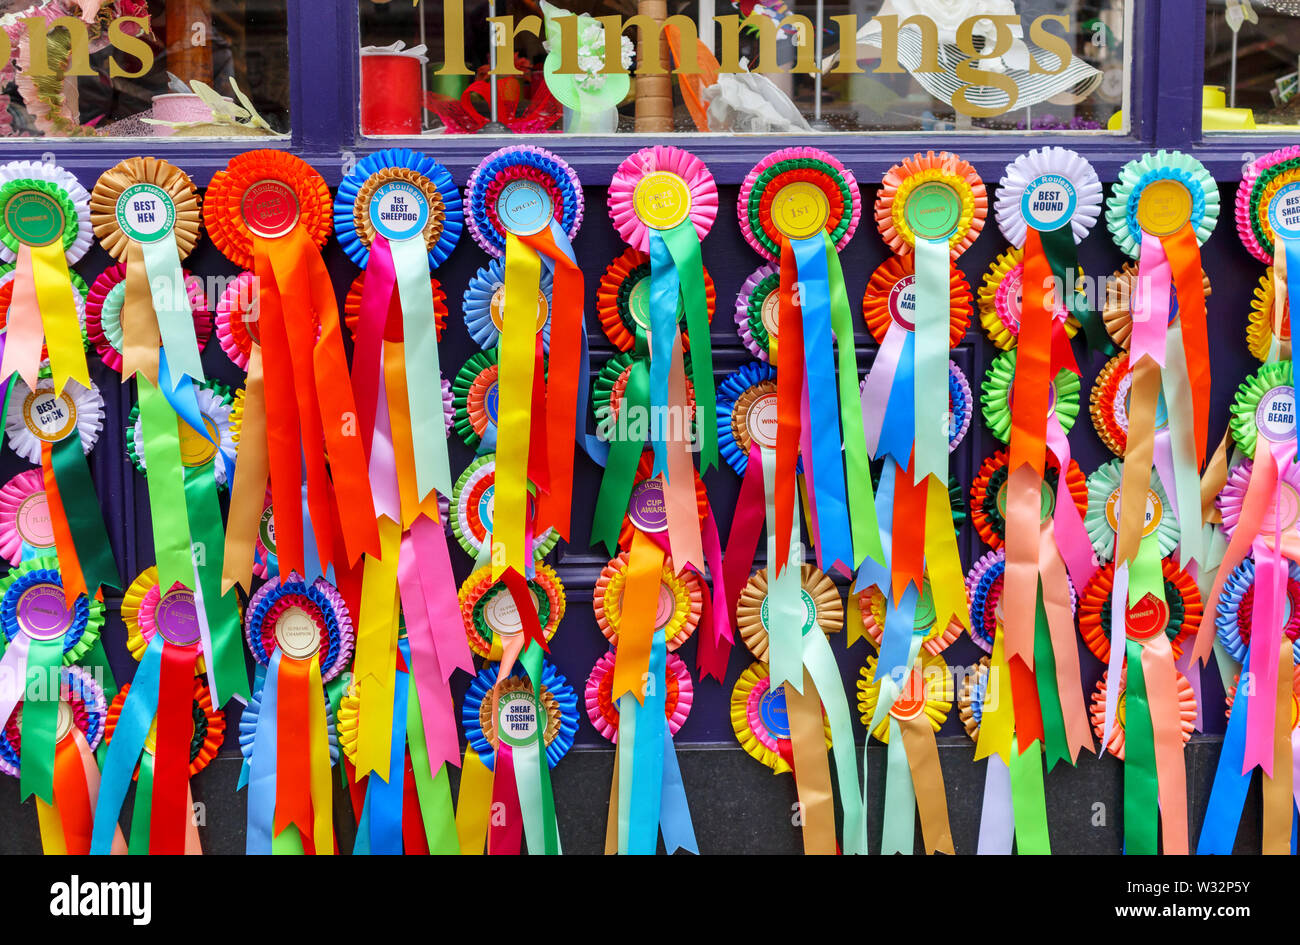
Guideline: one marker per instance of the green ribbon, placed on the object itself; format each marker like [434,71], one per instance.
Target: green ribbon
[863,524]
[540,775]
[899,834]
[85,518]
[1063,258]
[1186,493]
[825,674]
[930,374]
[1049,697]
[162,451]
[423,374]
[1145,575]
[40,719]
[142,809]
[785,607]
[4,410]
[1028,800]
[1141,795]
[96,660]
[229,671]
[433,792]
[624,455]
[171,305]
[684,246]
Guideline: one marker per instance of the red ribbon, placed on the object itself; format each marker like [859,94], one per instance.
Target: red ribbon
[293,747]
[171,764]
[789,396]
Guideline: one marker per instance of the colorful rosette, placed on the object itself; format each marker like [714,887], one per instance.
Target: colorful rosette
[237,319]
[1234,612]
[104,313]
[209,725]
[1108,403]
[890,299]
[554,701]
[25,523]
[661,167]
[944,179]
[147,611]
[1186,712]
[871,604]
[679,605]
[929,690]
[41,416]
[248,727]
[301,619]
[984,591]
[995,397]
[58,186]
[370,190]
[216,407]
[623,300]
[489,611]
[1253,408]
[1231,696]
[1142,178]
[485,298]
[646,486]
[393,328]
[988,495]
[611,382]
[961,406]
[472,504]
[1076,194]
[758,311]
[80,295]
[1000,300]
[1102,517]
[265,563]
[800,169]
[970,700]
[84,698]
[746,413]
[602,708]
[821,600]
[1261,180]
[474,395]
[1121,290]
[1259,323]
[1232,496]
[759,719]
[32,601]
[1178,615]
[289,193]
[152,176]
[520,169]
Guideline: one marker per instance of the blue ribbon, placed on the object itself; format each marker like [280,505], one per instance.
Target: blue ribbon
[310,555]
[899,425]
[874,573]
[124,748]
[896,641]
[261,773]
[648,754]
[361,846]
[834,540]
[1228,795]
[665,287]
[384,798]
[675,814]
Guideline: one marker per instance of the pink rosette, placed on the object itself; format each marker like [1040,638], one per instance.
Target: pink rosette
[798,154]
[1233,495]
[754,715]
[1245,228]
[602,710]
[520,162]
[660,159]
[747,291]
[147,617]
[16,498]
[233,331]
[112,277]
[448,406]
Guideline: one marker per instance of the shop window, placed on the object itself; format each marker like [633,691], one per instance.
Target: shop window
[742,66]
[1252,48]
[130,68]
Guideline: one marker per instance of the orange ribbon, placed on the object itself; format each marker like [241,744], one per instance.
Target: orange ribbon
[1184,254]
[637,616]
[808,741]
[293,748]
[909,533]
[74,581]
[927,782]
[72,798]
[1171,772]
[1278,797]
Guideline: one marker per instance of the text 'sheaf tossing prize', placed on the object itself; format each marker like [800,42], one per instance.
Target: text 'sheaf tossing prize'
[511,699]
[399,216]
[1142,695]
[41,634]
[301,637]
[410,813]
[269,212]
[162,727]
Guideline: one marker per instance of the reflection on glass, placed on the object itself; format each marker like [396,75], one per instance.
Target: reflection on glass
[1251,51]
[742,66]
[130,68]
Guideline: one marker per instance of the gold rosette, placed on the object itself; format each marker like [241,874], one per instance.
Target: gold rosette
[818,592]
[519,684]
[144,170]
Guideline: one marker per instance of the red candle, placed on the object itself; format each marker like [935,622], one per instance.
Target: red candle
[391,94]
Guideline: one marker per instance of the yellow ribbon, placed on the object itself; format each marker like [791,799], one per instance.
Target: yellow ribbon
[947,579]
[51,824]
[59,316]
[322,787]
[473,804]
[998,719]
[375,667]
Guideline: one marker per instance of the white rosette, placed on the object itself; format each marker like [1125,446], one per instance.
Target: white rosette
[1032,165]
[21,423]
[37,170]
[211,407]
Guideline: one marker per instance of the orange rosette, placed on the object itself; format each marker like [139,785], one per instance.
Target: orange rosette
[680,603]
[988,495]
[1180,612]
[144,170]
[891,289]
[1117,313]
[1186,712]
[1106,406]
[1295,696]
[945,168]
[821,600]
[393,327]
[871,605]
[623,300]
[643,481]
[209,726]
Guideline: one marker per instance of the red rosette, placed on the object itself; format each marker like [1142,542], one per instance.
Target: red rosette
[114,276]
[282,603]
[880,315]
[611,299]
[992,527]
[602,710]
[393,327]
[1094,607]
[222,205]
[818,178]
[1105,403]
[643,473]
[680,605]
[202,750]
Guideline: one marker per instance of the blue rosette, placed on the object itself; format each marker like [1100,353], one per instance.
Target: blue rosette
[515,163]
[489,283]
[248,726]
[737,390]
[559,702]
[961,406]
[87,613]
[1233,605]
[370,171]
[984,588]
[89,713]
[323,605]
[1140,173]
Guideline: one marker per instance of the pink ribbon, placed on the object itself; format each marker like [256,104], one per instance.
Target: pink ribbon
[875,390]
[376,297]
[1171,772]
[429,540]
[24,331]
[505,833]
[1151,302]
[1071,537]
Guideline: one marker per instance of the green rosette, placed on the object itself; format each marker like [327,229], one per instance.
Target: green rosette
[71,221]
[1245,405]
[466,418]
[1105,482]
[995,396]
[1136,175]
[467,502]
[92,620]
[1257,191]
[760,187]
